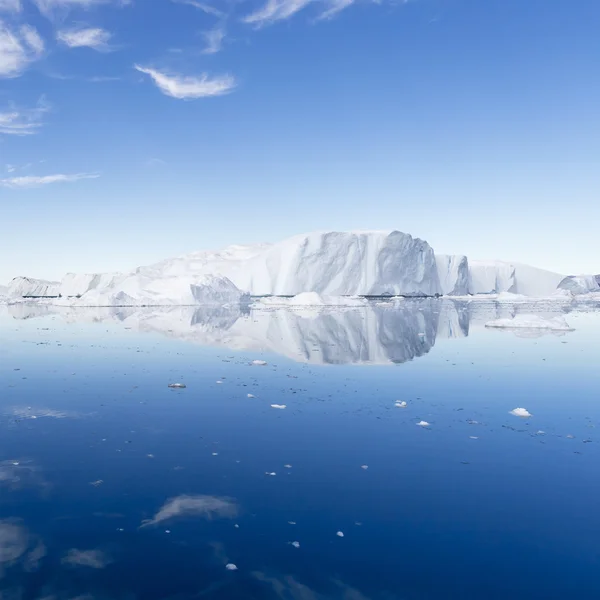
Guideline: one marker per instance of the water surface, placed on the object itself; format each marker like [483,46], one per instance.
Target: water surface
[113,485]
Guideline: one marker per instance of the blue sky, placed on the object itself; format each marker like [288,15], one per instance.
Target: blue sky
[133,131]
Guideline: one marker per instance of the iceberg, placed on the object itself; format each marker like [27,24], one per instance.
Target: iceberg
[21,287]
[139,290]
[453,274]
[496,277]
[580,284]
[312,300]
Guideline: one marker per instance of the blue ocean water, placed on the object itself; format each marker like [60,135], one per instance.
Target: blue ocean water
[113,485]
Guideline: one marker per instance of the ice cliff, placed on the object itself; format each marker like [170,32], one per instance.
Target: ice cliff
[580,284]
[25,286]
[495,277]
[453,274]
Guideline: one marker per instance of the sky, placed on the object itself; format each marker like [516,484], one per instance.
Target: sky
[136,130]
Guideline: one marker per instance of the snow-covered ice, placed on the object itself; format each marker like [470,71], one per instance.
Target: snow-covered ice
[313,299]
[523,321]
[26,286]
[581,284]
[423,424]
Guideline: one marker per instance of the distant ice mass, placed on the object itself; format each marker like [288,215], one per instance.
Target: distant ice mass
[524,321]
[520,412]
[315,269]
[207,507]
[423,424]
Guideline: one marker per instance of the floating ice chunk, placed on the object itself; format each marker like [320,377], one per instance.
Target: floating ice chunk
[280,406]
[178,386]
[291,522]
[423,424]
[340,534]
[251,396]
[520,412]
[231,567]
[400,404]
[287,466]
[531,322]
[219,382]
[259,363]
[364,467]
[270,474]
[295,544]
[473,437]
[540,432]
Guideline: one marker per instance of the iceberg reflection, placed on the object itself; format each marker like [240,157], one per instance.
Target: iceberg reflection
[387,332]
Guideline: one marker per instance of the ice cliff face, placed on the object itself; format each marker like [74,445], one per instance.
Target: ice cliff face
[453,274]
[495,277]
[581,284]
[330,264]
[25,286]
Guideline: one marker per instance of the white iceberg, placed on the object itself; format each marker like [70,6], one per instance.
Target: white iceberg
[495,277]
[24,287]
[453,274]
[522,321]
[580,284]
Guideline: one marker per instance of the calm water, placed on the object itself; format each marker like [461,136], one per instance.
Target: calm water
[113,486]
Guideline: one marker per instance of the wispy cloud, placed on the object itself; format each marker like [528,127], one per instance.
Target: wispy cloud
[102,79]
[91,37]
[207,507]
[335,7]
[32,181]
[18,49]
[207,8]
[95,559]
[11,6]
[184,88]
[214,40]
[25,121]
[50,7]
[275,10]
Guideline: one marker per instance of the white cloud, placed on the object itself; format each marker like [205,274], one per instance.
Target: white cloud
[23,122]
[11,6]
[32,181]
[207,8]
[49,7]
[95,559]
[18,48]
[276,10]
[92,37]
[178,86]
[214,40]
[336,7]
[207,507]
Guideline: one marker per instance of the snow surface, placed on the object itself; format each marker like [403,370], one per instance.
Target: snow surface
[26,286]
[495,277]
[453,274]
[581,284]
[532,322]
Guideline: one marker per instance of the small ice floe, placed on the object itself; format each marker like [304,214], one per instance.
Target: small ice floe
[167,531]
[215,454]
[295,544]
[520,412]
[291,522]
[236,526]
[540,432]
[364,467]
[177,386]
[400,404]
[218,382]
[97,482]
[473,437]
[231,567]
[423,424]
[472,422]
[251,396]
[150,455]
[270,474]
[340,534]
[280,406]
[570,437]
[287,466]
[259,363]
